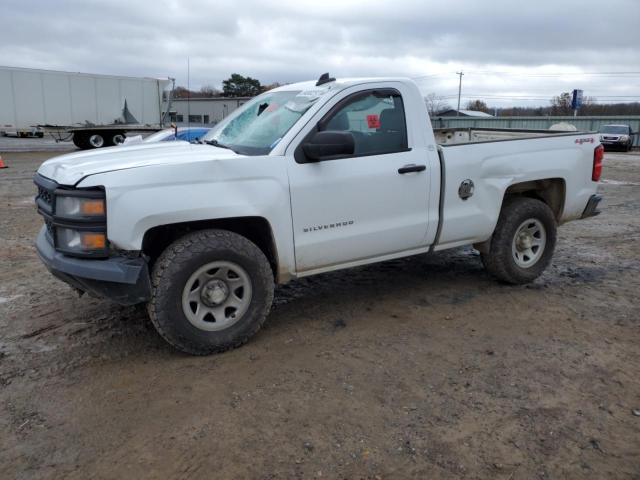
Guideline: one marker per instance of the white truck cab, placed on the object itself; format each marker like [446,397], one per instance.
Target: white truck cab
[303,179]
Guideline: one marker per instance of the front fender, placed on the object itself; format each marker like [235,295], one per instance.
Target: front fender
[143,198]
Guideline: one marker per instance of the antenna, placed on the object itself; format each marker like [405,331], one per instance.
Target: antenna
[188,95]
[324,78]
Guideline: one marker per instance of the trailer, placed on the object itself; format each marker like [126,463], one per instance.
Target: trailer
[92,110]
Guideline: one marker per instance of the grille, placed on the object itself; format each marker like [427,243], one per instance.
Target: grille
[49,225]
[45,199]
[45,196]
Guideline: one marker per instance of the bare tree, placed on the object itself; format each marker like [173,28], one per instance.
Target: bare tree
[270,86]
[435,104]
[561,105]
[209,91]
[478,106]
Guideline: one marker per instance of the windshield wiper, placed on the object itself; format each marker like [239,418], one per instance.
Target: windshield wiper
[216,143]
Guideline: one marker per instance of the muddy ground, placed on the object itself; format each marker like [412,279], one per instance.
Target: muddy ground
[417,368]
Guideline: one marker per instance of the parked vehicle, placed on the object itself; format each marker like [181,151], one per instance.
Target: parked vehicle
[187,134]
[620,136]
[303,179]
[97,110]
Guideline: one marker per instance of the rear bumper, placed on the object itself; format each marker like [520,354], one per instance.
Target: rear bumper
[120,279]
[591,209]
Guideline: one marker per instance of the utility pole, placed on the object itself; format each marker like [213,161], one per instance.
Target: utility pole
[188,92]
[459,92]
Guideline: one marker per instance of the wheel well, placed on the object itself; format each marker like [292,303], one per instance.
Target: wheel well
[256,229]
[550,190]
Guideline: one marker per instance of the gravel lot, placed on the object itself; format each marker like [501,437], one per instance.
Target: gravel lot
[417,368]
[47,144]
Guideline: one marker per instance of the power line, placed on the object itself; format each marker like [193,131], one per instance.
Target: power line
[552,74]
[431,75]
[628,74]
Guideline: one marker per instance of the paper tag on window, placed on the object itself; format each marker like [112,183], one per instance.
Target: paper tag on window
[373,121]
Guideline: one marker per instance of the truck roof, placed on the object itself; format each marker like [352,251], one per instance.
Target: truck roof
[339,82]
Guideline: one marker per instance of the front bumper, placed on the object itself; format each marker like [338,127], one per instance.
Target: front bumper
[121,279]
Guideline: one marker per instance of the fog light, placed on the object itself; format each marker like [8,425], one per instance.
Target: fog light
[77,241]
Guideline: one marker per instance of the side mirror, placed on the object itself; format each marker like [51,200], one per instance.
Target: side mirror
[327,144]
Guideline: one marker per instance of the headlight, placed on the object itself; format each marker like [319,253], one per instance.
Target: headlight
[623,138]
[80,223]
[76,207]
[81,241]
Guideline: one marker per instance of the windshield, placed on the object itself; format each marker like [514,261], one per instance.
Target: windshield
[617,129]
[257,127]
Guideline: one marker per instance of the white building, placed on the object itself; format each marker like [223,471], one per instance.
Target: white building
[202,111]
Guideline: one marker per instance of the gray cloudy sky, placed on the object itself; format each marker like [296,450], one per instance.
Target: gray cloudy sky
[512,51]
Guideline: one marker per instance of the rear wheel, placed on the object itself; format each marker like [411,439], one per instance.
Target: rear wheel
[96,140]
[212,290]
[523,242]
[117,138]
[113,138]
[80,140]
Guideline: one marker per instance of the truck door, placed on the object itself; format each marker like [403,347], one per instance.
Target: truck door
[365,205]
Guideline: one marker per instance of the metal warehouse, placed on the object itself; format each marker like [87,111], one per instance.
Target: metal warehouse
[202,111]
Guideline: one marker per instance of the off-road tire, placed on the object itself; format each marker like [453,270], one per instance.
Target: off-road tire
[499,260]
[171,273]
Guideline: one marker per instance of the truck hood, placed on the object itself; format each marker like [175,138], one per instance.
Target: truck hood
[71,168]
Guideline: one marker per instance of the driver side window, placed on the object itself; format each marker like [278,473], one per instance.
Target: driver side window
[376,119]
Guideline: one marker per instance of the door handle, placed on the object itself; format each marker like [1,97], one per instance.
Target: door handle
[411,168]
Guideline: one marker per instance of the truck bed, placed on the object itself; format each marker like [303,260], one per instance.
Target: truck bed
[456,136]
[492,161]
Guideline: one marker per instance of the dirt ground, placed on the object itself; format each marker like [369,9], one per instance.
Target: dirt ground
[418,368]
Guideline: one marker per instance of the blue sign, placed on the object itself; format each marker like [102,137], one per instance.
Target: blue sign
[576,99]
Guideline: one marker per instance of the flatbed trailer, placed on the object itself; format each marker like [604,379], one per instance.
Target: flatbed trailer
[92,110]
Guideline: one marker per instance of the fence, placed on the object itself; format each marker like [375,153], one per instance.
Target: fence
[585,124]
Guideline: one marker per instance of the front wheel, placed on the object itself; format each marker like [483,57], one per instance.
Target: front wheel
[523,242]
[212,291]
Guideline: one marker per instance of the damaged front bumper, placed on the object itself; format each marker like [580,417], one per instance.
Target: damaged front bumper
[120,279]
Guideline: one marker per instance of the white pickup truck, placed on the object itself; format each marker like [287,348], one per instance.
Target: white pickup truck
[303,179]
